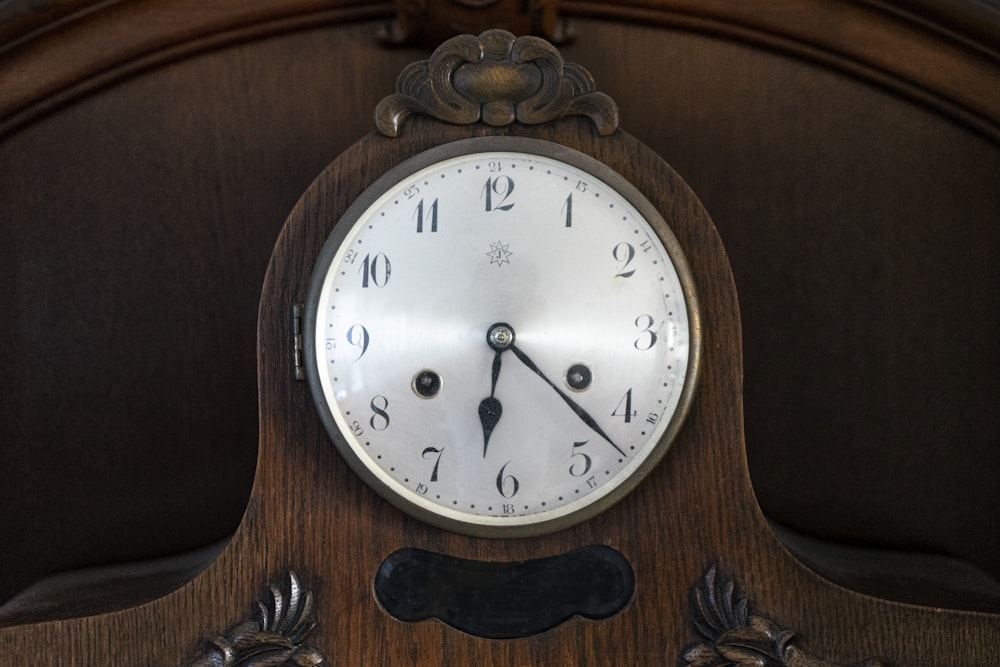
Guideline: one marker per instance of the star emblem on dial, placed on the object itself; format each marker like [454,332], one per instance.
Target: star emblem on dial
[499,253]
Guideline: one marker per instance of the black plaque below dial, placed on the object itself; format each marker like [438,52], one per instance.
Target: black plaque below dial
[500,600]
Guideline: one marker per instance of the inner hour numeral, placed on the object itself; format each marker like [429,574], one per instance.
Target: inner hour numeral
[581,462]
[375,270]
[496,192]
[380,417]
[431,216]
[567,208]
[624,408]
[357,336]
[429,453]
[507,484]
[647,337]
[624,253]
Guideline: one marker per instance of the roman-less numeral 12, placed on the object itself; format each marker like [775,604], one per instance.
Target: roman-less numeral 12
[502,187]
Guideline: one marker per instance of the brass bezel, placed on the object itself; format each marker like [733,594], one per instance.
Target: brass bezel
[516,144]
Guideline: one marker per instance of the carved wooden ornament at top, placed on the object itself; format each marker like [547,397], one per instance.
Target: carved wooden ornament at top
[498,79]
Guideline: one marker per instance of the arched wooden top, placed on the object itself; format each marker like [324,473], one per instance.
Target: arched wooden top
[935,53]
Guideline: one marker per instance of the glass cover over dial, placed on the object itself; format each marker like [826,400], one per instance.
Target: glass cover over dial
[502,336]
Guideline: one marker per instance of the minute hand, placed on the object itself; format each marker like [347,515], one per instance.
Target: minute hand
[580,412]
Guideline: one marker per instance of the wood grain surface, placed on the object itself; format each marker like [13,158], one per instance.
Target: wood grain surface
[847,152]
[309,513]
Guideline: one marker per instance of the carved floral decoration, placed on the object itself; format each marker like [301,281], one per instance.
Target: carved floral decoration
[497,79]
[734,637]
[285,617]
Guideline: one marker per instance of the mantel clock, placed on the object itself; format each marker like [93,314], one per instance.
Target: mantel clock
[501,332]
[499,356]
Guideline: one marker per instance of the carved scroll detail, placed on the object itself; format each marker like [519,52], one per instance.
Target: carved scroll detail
[498,79]
[734,637]
[285,617]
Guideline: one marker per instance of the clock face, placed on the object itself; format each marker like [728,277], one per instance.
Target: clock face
[501,336]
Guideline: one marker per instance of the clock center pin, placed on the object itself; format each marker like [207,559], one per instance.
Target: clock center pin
[500,336]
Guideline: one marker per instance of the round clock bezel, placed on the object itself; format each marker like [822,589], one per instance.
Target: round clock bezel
[510,144]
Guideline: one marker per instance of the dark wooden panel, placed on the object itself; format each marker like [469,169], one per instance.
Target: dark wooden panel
[862,233]
[853,180]
[937,52]
[308,511]
[54,63]
[926,53]
[137,228]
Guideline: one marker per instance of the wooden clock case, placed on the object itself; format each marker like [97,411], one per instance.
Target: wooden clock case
[712,516]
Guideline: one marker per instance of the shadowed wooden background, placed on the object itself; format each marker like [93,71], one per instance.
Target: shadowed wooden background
[847,152]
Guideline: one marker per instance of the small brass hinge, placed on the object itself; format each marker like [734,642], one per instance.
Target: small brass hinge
[297,342]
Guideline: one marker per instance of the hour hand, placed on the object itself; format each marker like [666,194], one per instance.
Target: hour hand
[580,412]
[490,407]
[490,410]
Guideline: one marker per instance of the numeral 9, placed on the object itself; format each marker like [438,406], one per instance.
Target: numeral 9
[358,336]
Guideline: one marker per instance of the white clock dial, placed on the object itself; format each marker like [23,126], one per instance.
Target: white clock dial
[503,336]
